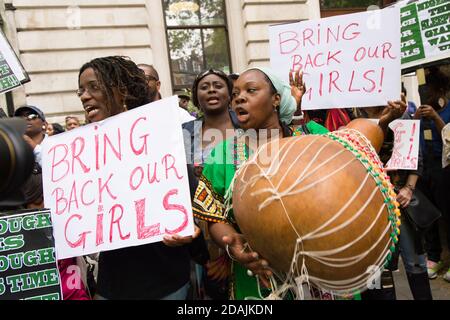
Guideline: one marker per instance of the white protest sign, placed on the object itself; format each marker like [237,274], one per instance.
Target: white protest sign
[118,183]
[405,153]
[348,61]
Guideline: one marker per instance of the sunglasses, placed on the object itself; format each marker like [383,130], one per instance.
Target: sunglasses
[31,116]
[210,71]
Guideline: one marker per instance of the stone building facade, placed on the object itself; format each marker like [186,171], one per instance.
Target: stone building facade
[53,38]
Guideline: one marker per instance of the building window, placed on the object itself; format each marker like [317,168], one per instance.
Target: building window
[197,39]
[349,4]
[329,8]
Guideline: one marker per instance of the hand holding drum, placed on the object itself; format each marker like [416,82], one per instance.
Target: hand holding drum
[321,209]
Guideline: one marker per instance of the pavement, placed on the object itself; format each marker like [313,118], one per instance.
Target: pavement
[440,288]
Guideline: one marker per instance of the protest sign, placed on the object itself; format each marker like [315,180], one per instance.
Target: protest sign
[28,267]
[405,153]
[12,73]
[348,61]
[118,183]
[425,26]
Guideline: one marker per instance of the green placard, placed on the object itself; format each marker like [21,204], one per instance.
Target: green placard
[28,266]
[425,27]
[412,46]
[8,79]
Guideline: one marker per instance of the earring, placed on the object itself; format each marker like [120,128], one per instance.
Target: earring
[125,107]
[43,127]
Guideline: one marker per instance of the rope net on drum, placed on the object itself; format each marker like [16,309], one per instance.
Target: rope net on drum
[298,275]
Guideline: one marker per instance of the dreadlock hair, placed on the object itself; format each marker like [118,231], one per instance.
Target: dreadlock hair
[121,73]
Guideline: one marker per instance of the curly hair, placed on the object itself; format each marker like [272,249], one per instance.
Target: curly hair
[121,73]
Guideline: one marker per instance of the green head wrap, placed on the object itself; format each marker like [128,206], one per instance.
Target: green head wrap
[288,105]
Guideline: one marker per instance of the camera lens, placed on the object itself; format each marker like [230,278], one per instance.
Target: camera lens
[16,157]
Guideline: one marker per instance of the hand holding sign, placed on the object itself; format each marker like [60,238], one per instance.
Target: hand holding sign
[176,240]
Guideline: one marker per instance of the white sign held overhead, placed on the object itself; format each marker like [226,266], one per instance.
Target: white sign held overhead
[348,61]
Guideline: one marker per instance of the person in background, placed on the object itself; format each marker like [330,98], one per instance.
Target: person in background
[72,122]
[35,132]
[183,101]
[152,77]
[211,93]
[233,77]
[434,114]
[54,128]
[412,108]
[154,85]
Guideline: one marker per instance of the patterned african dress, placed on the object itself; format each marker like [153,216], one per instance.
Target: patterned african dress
[209,201]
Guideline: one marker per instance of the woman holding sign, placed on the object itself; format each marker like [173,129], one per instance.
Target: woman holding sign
[410,244]
[261,102]
[106,87]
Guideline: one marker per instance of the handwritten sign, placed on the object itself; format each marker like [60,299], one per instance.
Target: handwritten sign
[8,79]
[406,145]
[12,73]
[28,267]
[348,61]
[118,183]
[425,26]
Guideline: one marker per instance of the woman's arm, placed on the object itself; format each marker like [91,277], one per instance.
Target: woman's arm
[405,194]
[393,111]
[226,237]
[426,111]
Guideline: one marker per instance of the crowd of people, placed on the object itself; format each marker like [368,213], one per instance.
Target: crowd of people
[216,263]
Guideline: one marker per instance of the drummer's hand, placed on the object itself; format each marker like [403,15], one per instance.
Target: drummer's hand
[241,252]
[176,240]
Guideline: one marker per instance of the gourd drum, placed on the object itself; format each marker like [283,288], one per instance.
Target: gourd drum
[320,207]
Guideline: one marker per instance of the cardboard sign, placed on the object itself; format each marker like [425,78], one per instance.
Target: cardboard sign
[348,61]
[425,26]
[118,183]
[28,266]
[405,153]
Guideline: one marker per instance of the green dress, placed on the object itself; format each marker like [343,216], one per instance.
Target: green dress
[209,201]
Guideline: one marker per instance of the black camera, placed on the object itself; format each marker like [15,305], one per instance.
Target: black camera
[16,162]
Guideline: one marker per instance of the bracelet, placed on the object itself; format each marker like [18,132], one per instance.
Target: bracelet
[410,187]
[229,254]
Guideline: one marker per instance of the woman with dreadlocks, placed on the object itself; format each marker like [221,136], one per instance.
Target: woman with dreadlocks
[106,87]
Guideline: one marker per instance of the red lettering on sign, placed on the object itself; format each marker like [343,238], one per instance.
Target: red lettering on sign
[76,155]
[143,148]
[165,161]
[288,42]
[168,206]
[82,236]
[143,231]
[114,221]
[61,161]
